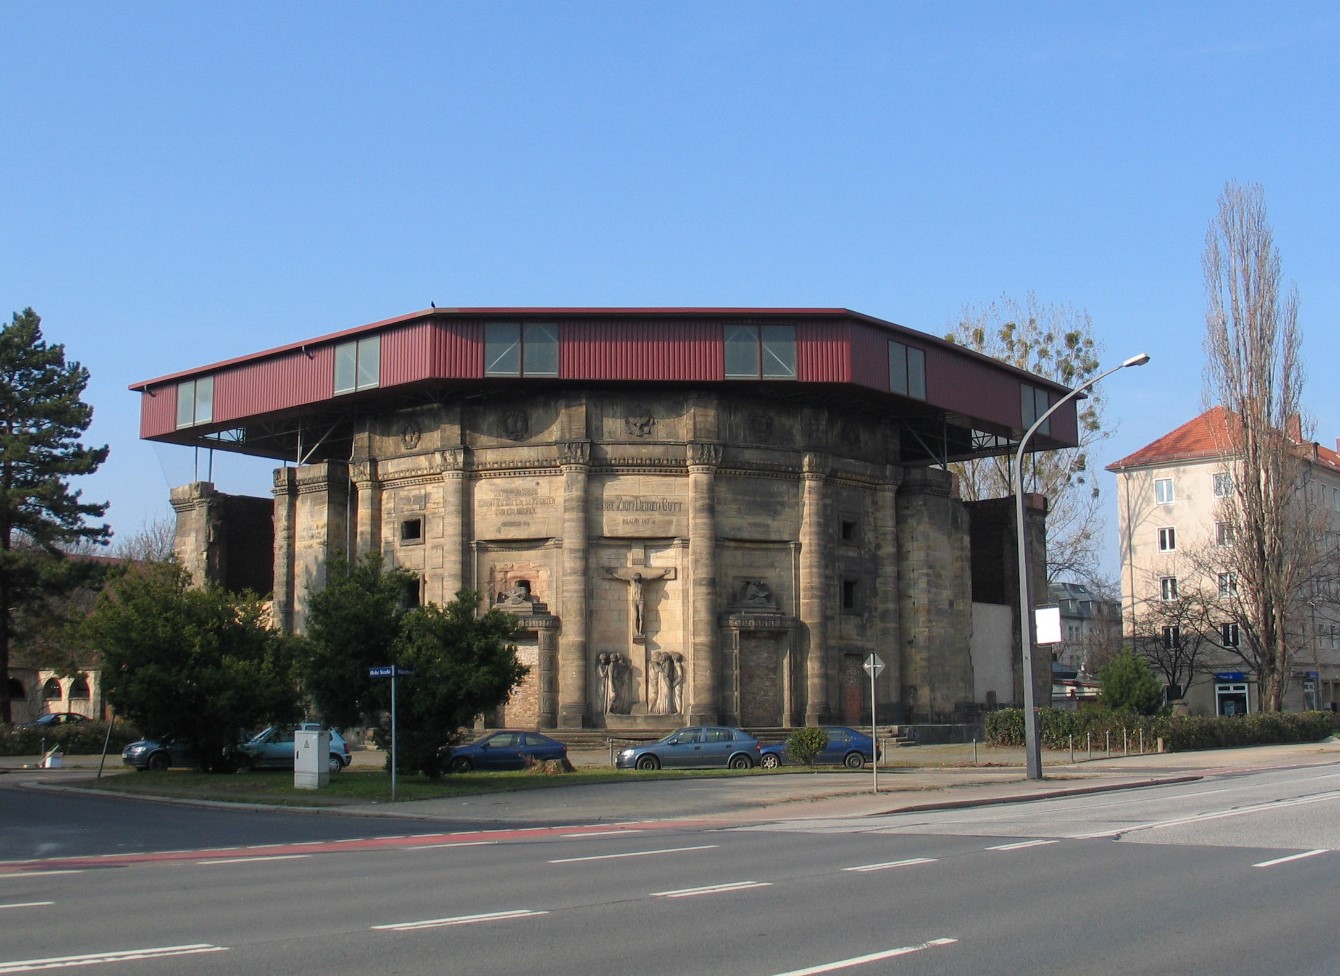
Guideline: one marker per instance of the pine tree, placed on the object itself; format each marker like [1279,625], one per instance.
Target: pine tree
[42,417]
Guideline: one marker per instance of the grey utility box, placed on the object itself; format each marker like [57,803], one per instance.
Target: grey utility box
[311,763]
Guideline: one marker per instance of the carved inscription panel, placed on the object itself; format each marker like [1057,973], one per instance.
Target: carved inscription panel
[518,508]
[639,506]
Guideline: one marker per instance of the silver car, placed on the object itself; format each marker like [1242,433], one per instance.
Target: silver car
[697,747]
[273,748]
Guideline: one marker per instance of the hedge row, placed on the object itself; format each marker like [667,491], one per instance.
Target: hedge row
[77,739]
[1185,733]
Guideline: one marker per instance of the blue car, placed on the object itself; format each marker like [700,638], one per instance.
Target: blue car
[696,747]
[845,747]
[505,749]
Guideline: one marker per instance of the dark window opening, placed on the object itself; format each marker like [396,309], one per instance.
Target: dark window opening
[851,592]
[411,530]
[849,531]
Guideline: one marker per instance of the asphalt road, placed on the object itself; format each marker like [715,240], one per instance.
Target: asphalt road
[1232,874]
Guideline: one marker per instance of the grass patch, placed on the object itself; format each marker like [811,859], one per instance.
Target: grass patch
[359,786]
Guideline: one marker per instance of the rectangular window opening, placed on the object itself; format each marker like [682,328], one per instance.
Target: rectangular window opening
[411,530]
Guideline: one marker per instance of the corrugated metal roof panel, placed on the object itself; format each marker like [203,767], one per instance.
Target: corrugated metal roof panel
[622,350]
[290,380]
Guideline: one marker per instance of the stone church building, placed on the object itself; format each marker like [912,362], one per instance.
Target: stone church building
[696,514]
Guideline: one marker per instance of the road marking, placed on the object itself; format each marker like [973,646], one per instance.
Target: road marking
[436,923]
[711,889]
[253,860]
[454,843]
[28,904]
[1020,845]
[603,833]
[1291,857]
[829,967]
[39,873]
[1203,817]
[610,857]
[96,958]
[893,864]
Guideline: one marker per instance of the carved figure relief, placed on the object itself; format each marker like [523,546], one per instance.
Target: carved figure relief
[613,670]
[637,578]
[667,676]
[516,425]
[517,595]
[410,434]
[755,594]
[639,423]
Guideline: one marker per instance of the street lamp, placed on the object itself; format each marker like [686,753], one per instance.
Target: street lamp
[1032,738]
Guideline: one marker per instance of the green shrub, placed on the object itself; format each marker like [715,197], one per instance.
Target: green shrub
[1061,729]
[1129,685]
[804,745]
[76,739]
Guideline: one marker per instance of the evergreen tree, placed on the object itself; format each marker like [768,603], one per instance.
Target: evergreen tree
[42,417]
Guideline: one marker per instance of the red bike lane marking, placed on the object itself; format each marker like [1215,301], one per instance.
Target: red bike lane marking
[355,844]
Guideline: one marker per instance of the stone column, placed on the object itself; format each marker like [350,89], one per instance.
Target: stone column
[195,543]
[454,550]
[703,459]
[285,514]
[573,709]
[814,562]
[368,519]
[320,528]
[887,630]
[547,679]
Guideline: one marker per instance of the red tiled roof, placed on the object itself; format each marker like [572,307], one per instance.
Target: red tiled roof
[1204,438]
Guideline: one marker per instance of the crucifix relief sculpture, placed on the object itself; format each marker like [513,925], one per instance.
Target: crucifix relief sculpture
[637,578]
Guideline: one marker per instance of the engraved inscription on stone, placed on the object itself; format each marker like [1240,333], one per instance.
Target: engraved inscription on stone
[514,508]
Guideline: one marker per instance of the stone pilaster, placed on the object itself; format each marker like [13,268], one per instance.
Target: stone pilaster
[887,628]
[368,518]
[703,459]
[814,562]
[285,515]
[454,549]
[573,709]
[320,528]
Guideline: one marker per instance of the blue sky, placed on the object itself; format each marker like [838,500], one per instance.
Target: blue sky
[184,183]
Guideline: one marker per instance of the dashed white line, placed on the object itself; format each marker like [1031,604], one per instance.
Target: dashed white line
[893,864]
[95,958]
[1291,857]
[610,857]
[829,967]
[1020,845]
[711,889]
[253,860]
[40,874]
[437,923]
[456,843]
[603,833]
[28,904]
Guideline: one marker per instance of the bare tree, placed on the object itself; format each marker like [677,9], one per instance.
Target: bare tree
[1178,631]
[1254,371]
[1056,342]
[153,542]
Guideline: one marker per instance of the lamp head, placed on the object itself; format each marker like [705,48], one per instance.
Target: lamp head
[1139,360]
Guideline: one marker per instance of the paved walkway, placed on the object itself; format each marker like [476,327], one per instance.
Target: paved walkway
[919,777]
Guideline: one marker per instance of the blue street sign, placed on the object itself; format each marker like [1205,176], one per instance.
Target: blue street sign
[382,672]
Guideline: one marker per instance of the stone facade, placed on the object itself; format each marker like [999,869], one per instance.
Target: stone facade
[673,557]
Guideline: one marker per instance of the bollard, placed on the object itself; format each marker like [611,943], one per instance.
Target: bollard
[1088,738]
[1072,748]
[1125,741]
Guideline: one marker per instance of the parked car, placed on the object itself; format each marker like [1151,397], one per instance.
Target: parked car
[695,747]
[273,747]
[505,749]
[158,754]
[52,719]
[845,747]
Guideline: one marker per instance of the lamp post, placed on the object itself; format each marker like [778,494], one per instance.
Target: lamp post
[1032,738]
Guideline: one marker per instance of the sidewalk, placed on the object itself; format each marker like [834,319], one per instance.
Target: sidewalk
[914,778]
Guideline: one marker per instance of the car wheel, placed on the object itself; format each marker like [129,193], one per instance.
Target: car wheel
[740,761]
[648,762]
[770,761]
[854,760]
[159,761]
[336,763]
[461,765]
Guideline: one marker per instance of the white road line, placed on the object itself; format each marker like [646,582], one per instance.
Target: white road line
[1020,845]
[40,874]
[437,923]
[893,864]
[829,967]
[603,833]
[1202,817]
[1291,857]
[253,860]
[711,889]
[96,958]
[28,904]
[610,857]
[458,843]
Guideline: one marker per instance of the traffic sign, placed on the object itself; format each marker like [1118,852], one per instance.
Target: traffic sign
[873,665]
[382,672]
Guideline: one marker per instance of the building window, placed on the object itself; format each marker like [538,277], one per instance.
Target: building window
[907,370]
[1172,638]
[1035,401]
[51,690]
[517,349]
[851,593]
[760,352]
[1223,485]
[1224,534]
[1228,635]
[1168,540]
[850,531]
[358,364]
[1228,584]
[411,531]
[79,689]
[195,402]
[1163,491]
[1168,588]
